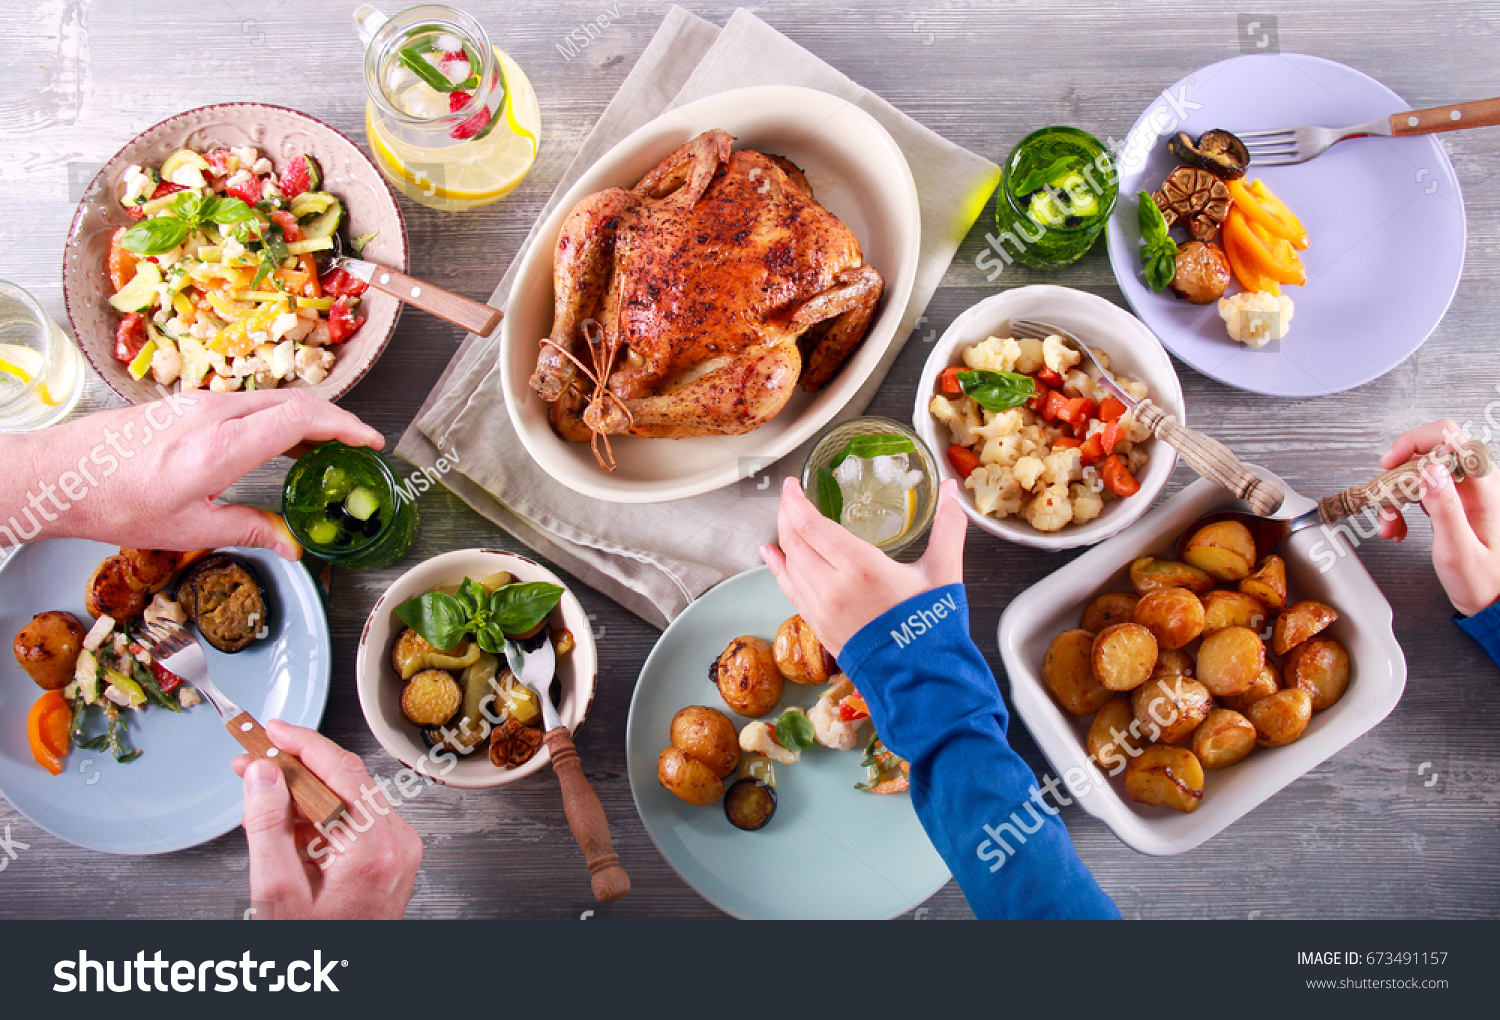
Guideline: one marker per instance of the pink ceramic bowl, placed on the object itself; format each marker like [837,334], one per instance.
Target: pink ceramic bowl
[280,134]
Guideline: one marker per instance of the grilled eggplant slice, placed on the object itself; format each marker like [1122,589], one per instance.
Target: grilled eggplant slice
[222,595]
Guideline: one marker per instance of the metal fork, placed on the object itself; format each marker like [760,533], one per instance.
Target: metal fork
[1286,146]
[175,647]
[1204,454]
[538,669]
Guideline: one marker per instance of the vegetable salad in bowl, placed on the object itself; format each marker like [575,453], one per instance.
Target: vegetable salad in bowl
[218,283]
[1035,435]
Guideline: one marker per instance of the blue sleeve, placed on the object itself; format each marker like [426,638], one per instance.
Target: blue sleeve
[1484,628]
[934,701]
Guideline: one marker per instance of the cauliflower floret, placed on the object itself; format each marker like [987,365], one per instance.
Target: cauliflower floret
[1079,384]
[1002,450]
[1058,356]
[224,383]
[314,364]
[1087,504]
[283,360]
[1003,423]
[829,727]
[1031,359]
[960,414]
[1135,460]
[1062,466]
[1027,470]
[759,737]
[166,365]
[1255,318]
[1134,387]
[993,355]
[1050,510]
[996,491]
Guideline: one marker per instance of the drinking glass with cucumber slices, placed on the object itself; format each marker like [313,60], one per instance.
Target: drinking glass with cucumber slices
[344,505]
[224,280]
[875,477]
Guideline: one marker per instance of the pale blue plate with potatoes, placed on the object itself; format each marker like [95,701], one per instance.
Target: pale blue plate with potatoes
[830,851]
[181,791]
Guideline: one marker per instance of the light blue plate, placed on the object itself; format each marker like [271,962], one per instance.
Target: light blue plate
[181,791]
[831,851]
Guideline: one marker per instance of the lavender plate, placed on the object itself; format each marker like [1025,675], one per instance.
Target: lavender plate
[1386,219]
[280,134]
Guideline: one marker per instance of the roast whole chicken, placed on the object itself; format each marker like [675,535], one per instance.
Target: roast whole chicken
[694,303]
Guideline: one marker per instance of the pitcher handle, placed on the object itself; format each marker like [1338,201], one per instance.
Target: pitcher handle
[367,21]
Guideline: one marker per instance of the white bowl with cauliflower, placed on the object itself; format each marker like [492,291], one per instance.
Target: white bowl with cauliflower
[1030,485]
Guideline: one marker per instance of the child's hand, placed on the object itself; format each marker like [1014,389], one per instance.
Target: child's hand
[839,583]
[1465,519]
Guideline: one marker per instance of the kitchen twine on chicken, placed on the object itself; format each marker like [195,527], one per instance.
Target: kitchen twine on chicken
[604,355]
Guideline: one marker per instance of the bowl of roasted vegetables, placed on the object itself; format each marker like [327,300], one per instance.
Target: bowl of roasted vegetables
[433,674]
[1180,674]
[204,256]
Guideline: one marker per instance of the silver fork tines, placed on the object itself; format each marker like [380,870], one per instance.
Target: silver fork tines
[177,649]
[1289,145]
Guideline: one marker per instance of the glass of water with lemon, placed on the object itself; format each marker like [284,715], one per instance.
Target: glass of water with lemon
[452,120]
[41,371]
[877,478]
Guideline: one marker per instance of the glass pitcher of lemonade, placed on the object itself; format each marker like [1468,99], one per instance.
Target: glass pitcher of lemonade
[452,121]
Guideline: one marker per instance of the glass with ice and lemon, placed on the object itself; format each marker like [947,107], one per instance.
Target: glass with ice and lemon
[41,371]
[452,121]
[875,477]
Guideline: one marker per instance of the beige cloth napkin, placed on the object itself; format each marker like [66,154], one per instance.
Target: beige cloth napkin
[654,559]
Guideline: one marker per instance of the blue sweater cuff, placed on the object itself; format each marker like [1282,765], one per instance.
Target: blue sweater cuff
[1484,628]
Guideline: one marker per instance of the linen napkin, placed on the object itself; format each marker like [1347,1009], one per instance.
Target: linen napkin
[654,559]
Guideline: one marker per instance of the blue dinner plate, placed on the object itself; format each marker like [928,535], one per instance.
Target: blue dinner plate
[180,792]
[830,851]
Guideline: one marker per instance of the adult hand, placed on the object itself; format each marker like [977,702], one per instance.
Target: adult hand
[297,871]
[1465,519]
[839,582]
[145,477]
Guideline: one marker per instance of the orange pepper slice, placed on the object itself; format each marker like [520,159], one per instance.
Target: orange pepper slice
[1261,206]
[1244,270]
[1265,254]
[47,728]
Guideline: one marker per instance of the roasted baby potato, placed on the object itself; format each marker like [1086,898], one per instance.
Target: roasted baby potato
[1229,660]
[1165,775]
[1301,621]
[1068,672]
[1320,667]
[113,591]
[1169,710]
[688,777]
[1280,718]
[1223,739]
[1108,609]
[1173,662]
[411,654]
[1267,682]
[47,648]
[800,656]
[1268,583]
[1174,616]
[1108,751]
[747,677]
[1224,550]
[1233,609]
[431,698]
[1123,656]
[1149,574]
[149,570]
[708,735]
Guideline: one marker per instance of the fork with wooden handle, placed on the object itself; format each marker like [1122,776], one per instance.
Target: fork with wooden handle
[178,650]
[1204,454]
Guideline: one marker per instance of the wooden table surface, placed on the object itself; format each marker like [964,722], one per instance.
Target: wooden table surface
[1361,836]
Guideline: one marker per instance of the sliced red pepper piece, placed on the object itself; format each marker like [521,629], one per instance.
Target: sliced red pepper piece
[948,384]
[1109,436]
[1054,406]
[1051,378]
[963,459]
[1093,449]
[1111,409]
[1039,401]
[1117,477]
[1066,443]
[165,678]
